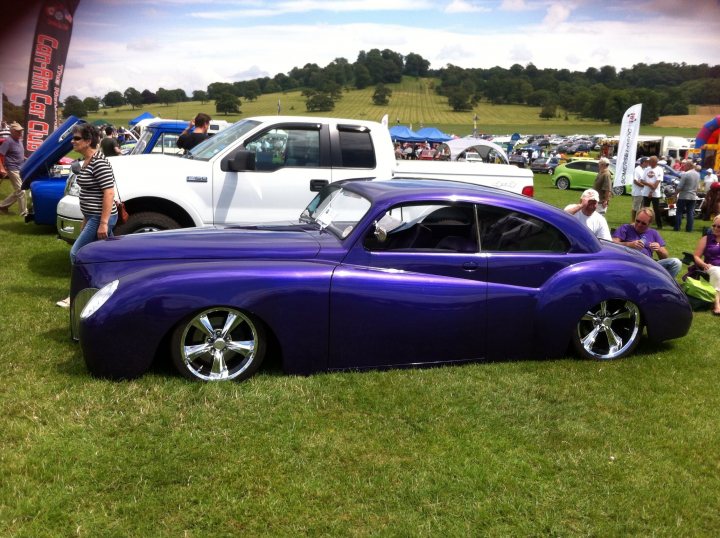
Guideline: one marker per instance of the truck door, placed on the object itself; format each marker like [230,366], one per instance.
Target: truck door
[292,163]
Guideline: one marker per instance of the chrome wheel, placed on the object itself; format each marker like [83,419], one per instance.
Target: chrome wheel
[218,344]
[610,330]
[562,183]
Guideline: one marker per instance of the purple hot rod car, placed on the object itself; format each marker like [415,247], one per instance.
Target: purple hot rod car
[375,274]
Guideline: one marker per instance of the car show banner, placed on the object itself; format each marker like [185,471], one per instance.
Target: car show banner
[627,146]
[47,63]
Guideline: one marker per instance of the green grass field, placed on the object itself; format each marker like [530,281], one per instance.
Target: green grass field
[524,448]
[414,101]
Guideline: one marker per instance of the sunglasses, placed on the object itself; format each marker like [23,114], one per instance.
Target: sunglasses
[715,226]
[76,138]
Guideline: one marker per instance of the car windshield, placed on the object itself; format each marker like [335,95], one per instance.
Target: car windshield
[142,143]
[207,149]
[337,210]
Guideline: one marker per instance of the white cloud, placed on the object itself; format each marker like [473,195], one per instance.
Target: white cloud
[464,6]
[513,5]
[556,14]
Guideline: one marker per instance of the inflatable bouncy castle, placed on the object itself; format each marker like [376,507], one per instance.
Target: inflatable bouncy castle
[706,142]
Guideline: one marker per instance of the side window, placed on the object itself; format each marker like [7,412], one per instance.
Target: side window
[441,228]
[506,230]
[356,148]
[167,143]
[593,167]
[575,165]
[277,148]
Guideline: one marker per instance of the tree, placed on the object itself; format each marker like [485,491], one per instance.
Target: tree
[113,99]
[227,103]
[92,104]
[148,97]
[362,76]
[416,65]
[133,97]
[319,102]
[200,95]
[382,94]
[167,97]
[548,111]
[459,100]
[73,106]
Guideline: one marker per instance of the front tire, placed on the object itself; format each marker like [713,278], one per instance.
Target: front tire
[146,221]
[218,344]
[609,330]
[562,183]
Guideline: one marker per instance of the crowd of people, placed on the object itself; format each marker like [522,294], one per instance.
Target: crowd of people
[638,234]
[425,151]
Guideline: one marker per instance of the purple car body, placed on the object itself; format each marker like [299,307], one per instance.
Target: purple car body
[460,273]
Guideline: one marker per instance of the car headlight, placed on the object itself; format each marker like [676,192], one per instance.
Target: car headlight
[72,188]
[99,299]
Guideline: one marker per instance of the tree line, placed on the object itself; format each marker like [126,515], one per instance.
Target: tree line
[596,93]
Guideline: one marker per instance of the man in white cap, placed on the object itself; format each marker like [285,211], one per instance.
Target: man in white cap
[586,213]
[13,156]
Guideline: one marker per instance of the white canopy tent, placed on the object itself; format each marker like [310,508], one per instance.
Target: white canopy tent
[489,152]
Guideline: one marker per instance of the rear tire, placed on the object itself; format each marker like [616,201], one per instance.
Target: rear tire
[146,221]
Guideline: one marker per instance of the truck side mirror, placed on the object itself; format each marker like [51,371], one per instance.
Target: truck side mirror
[238,161]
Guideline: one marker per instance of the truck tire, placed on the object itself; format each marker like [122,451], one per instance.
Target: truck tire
[147,221]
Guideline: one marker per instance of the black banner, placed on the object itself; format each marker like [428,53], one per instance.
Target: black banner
[47,63]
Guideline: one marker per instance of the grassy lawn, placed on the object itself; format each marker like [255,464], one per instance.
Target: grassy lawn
[413,102]
[525,448]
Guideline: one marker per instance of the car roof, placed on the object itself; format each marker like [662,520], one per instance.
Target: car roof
[409,188]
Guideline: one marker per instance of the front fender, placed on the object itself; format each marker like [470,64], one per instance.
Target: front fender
[570,293]
[122,338]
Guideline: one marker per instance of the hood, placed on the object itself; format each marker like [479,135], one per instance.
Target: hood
[279,242]
[56,146]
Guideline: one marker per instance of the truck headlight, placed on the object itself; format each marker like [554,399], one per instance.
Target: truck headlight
[99,299]
[72,188]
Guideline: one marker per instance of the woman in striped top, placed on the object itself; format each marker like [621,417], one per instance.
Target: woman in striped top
[97,192]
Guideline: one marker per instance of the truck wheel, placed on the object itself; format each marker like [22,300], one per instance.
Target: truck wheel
[144,222]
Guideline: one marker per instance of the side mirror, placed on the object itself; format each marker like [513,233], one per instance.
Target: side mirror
[380,233]
[238,161]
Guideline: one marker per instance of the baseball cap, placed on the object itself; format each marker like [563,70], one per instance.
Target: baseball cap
[590,194]
[603,160]
[15,126]
[710,171]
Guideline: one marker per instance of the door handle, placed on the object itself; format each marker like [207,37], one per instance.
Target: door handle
[470,266]
[316,185]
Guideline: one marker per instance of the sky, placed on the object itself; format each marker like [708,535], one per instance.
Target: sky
[148,44]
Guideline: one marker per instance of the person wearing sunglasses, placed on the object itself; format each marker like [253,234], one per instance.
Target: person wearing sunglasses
[640,236]
[97,192]
[707,258]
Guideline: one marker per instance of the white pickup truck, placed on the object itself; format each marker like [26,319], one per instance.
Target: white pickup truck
[266,169]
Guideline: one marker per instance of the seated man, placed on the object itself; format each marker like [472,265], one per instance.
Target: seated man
[641,237]
[586,213]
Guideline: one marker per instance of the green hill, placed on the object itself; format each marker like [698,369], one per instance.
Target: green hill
[413,102]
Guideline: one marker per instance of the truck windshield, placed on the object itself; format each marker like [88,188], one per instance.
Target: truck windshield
[207,149]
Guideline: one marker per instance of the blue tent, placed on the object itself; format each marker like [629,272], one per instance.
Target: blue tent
[400,133]
[143,116]
[431,134]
